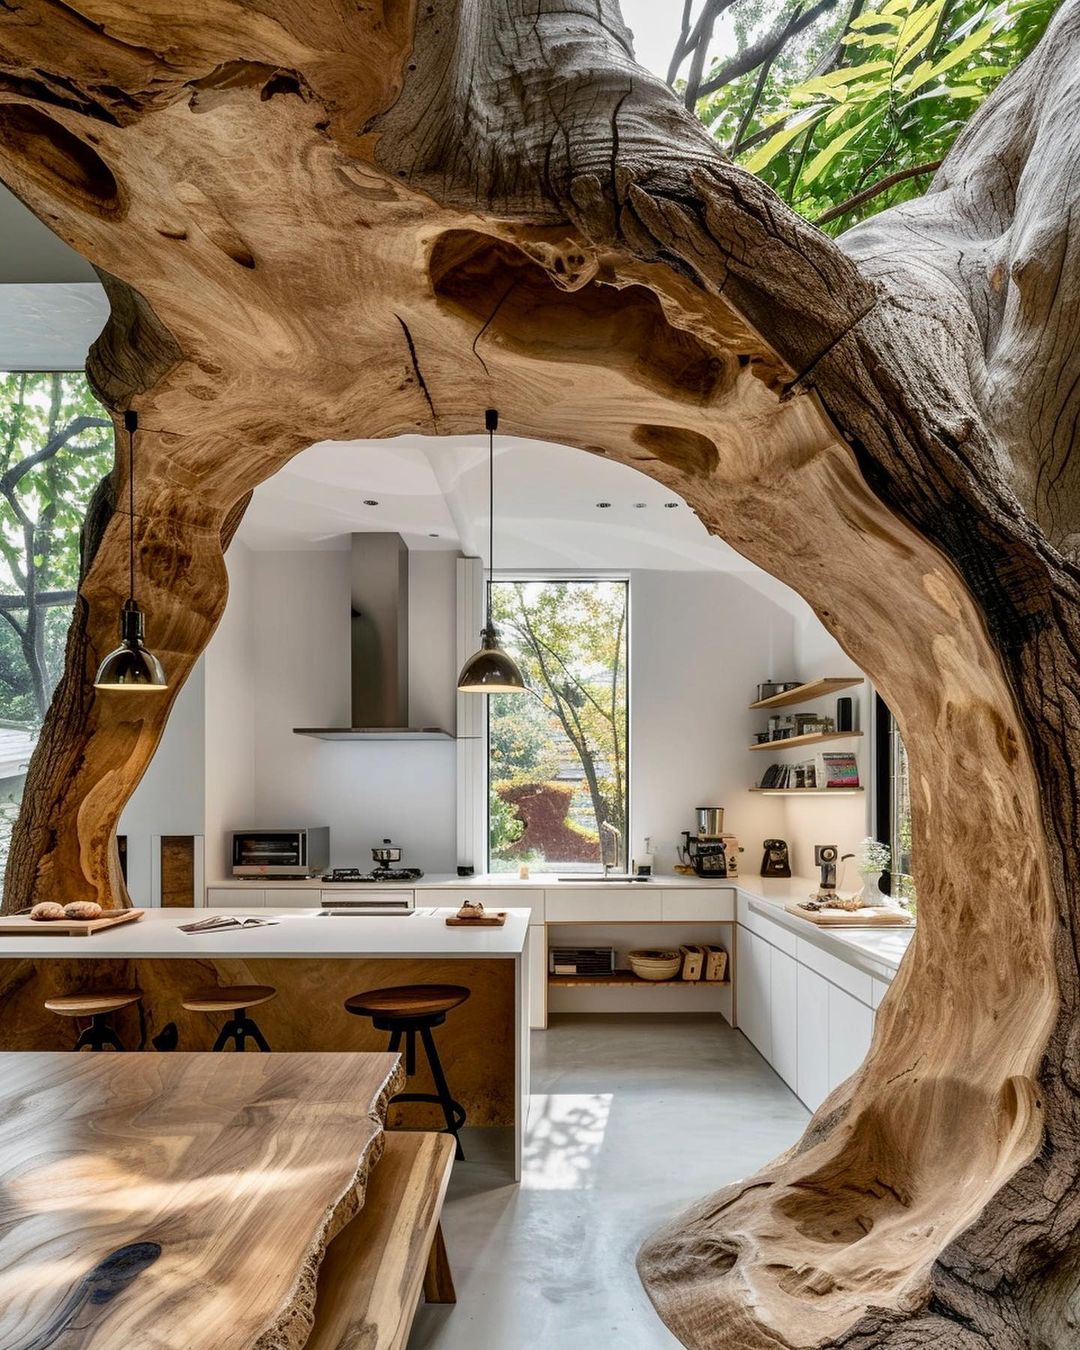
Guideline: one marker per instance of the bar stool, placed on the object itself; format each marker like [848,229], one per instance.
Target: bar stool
[404,1011]
[235,999]
[98,1005]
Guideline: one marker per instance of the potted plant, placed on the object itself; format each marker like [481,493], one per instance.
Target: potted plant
[874,858]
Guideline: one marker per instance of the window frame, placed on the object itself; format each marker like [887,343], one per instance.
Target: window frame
[556,574]
[886,737]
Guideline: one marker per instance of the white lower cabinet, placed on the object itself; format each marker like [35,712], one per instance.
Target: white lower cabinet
[755,990]
[851,1025]
[812,1082]
[783,1015]
[814,1032]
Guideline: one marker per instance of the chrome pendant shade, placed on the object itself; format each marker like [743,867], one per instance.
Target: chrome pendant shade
[491,670]
[132,665]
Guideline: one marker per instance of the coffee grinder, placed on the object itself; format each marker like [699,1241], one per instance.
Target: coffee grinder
[826,857]
[709,851]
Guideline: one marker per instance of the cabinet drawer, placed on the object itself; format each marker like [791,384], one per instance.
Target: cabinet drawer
[292,897]
[603,905]
[369,895]
[697,904]
[838,972]
[235,897]
[492,897]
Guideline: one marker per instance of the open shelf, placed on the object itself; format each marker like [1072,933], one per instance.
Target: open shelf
[808,792]
[623,979]
[811,738]
[804,692]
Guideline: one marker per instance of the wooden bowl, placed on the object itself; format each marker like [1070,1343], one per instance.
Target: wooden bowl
[655,963]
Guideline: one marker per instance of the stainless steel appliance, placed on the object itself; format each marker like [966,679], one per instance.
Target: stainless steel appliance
[710,822]
[376,902]
[301,852]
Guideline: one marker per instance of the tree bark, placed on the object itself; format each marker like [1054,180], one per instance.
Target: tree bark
[342,223]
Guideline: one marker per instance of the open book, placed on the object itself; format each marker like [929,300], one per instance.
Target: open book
[217,922]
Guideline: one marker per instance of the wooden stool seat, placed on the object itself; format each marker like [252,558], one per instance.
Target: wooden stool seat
[407,1001]
[98,1005]
[92,1003]
[230,998]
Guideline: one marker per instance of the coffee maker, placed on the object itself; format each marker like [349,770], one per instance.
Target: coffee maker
[709,851]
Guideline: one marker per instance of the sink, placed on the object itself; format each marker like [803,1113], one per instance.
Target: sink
[621,877]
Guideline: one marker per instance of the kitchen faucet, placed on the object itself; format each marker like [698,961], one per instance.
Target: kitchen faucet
[611,829]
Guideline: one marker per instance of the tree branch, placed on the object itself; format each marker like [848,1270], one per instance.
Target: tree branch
[46,599]
[882,185]
[764,49]
[9,481]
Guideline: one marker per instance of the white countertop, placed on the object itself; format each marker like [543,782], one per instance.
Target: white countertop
[447,881]
[298,933]
[878,951]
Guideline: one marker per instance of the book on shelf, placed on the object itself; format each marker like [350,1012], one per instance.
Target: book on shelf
[838,769]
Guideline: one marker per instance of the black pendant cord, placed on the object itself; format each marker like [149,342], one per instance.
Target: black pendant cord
[131,422]
[491,421]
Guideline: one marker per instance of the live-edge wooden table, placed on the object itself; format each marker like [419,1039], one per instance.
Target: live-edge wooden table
[178,1202]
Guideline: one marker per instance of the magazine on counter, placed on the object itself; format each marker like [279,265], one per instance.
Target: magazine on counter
[217,922]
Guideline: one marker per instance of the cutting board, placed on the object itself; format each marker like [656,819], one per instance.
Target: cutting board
[20,925]
[854,918]
[488,921]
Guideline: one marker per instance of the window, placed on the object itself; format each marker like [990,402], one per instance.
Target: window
[558,765]
[893,799]
[56,444]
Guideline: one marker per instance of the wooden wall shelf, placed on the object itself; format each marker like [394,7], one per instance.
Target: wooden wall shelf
[808,792]
[623,979]
[804,692]
[810,738]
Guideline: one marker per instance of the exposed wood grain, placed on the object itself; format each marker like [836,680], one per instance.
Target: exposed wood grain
[374,1271]
[349,223]
[177,870]
[178,1201]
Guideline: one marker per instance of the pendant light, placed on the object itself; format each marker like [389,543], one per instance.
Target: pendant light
[132,665]
[490,670]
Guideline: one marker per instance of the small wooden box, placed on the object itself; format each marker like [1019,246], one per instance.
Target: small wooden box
[715,964]
[693,961]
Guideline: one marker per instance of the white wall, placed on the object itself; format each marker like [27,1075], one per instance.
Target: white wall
[363,791]
[229,729]
[701,643]
[170,798]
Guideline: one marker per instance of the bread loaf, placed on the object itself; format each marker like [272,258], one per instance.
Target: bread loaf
[83,909]
[48,909]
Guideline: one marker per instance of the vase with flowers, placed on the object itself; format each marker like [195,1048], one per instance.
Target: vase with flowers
[874,858]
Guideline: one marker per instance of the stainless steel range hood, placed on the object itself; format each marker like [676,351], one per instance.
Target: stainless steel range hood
[379,646]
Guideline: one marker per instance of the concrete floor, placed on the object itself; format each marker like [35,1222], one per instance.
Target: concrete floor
[632,1118]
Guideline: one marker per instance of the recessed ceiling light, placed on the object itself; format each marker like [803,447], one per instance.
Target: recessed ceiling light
[370,501]
[670,506]
[640,506]
[433,536]
[602,506]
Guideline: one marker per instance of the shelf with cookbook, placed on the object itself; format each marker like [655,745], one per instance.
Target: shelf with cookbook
[824,772]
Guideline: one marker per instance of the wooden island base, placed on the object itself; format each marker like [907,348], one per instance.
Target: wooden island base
[476,1044]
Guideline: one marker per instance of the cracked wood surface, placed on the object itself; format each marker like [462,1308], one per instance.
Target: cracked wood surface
[319,223]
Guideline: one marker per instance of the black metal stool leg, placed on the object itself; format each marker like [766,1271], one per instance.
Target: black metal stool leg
[395,1041]
[99,1034]
[257,1036]
[238,1029]
[451,1108]
[225,1035]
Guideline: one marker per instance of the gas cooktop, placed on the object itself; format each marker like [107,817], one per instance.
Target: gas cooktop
[354,876]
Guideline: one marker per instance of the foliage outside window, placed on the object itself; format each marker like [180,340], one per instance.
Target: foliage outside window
[842,106]
[558,757]
[55,446]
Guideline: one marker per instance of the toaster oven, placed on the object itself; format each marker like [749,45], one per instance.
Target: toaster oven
[281,853]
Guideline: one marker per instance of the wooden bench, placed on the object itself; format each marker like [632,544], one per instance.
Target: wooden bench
[373,1272]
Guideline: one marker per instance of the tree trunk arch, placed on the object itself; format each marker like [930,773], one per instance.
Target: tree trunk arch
[321,222]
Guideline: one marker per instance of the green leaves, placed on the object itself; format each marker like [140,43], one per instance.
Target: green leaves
[886,92]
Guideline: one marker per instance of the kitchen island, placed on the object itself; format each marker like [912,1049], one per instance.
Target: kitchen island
[315,963]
